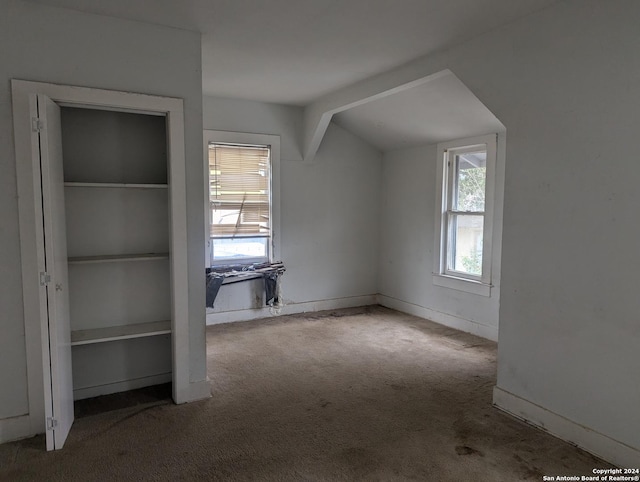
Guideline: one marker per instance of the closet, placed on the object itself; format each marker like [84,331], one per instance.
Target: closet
[102,202]
[117,231]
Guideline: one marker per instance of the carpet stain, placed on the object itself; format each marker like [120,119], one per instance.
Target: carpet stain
[532,473]
[466,450]
[335,398]
[528,471]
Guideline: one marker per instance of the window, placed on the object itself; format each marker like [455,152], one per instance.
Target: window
[464,220]
[241,214]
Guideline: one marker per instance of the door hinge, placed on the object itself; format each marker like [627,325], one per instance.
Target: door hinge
[52,423]
[45,278]
[37,124]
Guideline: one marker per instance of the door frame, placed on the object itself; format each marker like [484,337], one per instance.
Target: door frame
[32,236]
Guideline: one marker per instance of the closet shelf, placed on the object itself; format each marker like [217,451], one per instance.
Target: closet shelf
[116,185]
[125,332]
[111,258]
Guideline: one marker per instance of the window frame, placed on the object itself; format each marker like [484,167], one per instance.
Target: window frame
[443,276]
[244,138]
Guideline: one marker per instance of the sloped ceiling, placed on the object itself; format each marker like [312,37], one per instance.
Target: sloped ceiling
[440,110]
[294,51]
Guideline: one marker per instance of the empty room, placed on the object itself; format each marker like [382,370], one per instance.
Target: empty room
[319,240]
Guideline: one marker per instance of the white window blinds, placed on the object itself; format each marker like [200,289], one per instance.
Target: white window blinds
[239,190]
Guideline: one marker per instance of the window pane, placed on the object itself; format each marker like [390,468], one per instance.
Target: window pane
[240,203]
[470,176]
[239,249]
[239,189]
[465,243]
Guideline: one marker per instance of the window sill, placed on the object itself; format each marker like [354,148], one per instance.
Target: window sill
[462,284]
[238,264]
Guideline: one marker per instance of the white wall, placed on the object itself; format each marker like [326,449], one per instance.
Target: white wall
[407,244]
[60,46]
[564,82]
[257,118]
[329,237]
[569,332]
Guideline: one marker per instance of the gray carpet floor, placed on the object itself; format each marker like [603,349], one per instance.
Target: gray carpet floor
[359,394]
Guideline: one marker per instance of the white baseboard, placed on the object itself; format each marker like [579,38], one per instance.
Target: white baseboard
[193,392]
[587,439]
[15,428]
[290,309]
[123,386]
[199,391]
[484,331]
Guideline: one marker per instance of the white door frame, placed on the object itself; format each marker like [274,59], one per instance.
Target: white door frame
[32,237]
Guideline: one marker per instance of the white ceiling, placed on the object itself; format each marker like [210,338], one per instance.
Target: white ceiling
[440,110]
[294,51]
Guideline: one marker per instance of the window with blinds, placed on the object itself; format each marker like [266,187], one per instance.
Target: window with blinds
[240,203]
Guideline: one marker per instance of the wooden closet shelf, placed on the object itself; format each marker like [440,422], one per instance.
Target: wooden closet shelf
[116,185]
[111,258]
[124,332]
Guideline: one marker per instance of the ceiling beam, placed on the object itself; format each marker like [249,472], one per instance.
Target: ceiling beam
[318,114]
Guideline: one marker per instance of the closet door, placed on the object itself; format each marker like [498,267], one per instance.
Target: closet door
[57,365]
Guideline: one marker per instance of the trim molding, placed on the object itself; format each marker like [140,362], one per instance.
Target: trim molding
[115,387]
[199,390]
[15,428]
[290,309]
[585,438]
[31,237]
[478,329]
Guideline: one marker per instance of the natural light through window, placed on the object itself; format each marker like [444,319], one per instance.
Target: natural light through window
[464,221]
[239,203]
[465,215]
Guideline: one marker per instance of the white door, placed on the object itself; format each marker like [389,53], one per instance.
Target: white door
[58,381]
